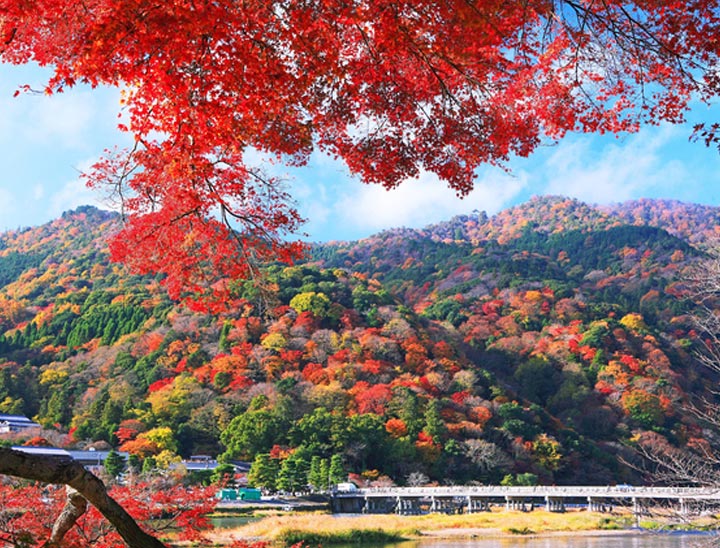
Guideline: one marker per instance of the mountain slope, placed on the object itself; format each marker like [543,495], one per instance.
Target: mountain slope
[543,340]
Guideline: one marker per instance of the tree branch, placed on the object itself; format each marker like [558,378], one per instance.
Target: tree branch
[75,506]
[67,471]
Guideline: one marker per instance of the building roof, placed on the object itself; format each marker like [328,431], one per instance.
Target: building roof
[92,456]
[18,421]
[4,417]
[85,458]
[47,451]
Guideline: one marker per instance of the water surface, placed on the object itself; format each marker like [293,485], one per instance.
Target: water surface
[624,540]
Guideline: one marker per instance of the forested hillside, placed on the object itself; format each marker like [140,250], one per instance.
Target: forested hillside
[545,341]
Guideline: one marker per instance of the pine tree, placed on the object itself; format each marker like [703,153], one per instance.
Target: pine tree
[293,474]
[324,474]
[434,425]
[114,463]
[336,473]
[263,472]
[315,479]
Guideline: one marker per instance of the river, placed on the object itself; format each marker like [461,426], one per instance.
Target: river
[626,540]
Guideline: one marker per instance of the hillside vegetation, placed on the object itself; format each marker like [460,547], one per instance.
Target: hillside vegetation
[541,343]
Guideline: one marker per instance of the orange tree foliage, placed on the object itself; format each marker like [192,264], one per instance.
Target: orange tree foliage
[391,87]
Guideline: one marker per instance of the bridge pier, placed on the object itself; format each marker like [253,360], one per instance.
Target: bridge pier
[639,507]
[407,507]
[554,504]
[516,503]
[598,505]
[684,507]
[445,505]
[477,505]
[438,505]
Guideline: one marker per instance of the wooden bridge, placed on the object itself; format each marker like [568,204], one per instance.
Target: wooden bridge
[467,499]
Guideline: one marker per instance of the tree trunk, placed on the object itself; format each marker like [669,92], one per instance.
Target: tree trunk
[67,471]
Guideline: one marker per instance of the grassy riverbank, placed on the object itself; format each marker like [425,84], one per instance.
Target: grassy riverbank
[324,529]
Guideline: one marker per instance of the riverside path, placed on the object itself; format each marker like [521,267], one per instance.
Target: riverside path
[458,499]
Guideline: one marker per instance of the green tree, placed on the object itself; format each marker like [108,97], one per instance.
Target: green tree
[538,379]
[114,463]
[253,432]
[316,303]
[319,431]
[324,474]
[434,425]
[406,406]
[263,472]
[224,474]
[223,343]
[366,442]
[293,474]
[524,480]
[337,473]
[317,476]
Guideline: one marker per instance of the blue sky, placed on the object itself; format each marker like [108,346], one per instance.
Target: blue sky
[45,142]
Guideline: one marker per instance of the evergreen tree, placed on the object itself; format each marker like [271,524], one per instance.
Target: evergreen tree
[293,474]
[324,474]
[114,463]
[336,473]
[134,463]
[317,477]
[434,425]
[263,472]
[223,342]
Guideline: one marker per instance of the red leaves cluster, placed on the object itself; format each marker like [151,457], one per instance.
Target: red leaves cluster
[29,513]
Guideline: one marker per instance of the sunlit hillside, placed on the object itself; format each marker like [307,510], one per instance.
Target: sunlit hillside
[546,340]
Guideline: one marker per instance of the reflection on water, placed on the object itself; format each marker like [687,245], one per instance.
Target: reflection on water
[644,540]
[231,521]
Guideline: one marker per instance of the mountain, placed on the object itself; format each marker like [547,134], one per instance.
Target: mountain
[545,340]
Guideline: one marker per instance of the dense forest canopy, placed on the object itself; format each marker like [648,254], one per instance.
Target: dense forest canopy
[545,342]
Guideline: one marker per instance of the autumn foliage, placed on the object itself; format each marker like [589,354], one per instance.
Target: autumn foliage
[29,512]
[529,342]
[393,88]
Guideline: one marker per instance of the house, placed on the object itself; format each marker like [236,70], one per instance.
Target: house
[10,424]
[93,458]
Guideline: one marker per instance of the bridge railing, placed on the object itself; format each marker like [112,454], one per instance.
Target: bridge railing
[611,491]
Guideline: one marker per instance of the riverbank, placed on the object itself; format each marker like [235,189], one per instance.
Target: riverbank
[324,528]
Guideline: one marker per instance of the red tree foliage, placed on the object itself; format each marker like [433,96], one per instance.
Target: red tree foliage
[176,508]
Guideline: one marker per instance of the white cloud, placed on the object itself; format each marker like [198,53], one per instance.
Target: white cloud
[425,200]
[313,200]
[618,171]
[75,193]
[72,195]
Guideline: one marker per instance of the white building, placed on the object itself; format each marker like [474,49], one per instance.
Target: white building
[11,424]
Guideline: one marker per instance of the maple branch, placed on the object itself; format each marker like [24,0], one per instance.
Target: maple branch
[75,506]
[639,42]
[67,471]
